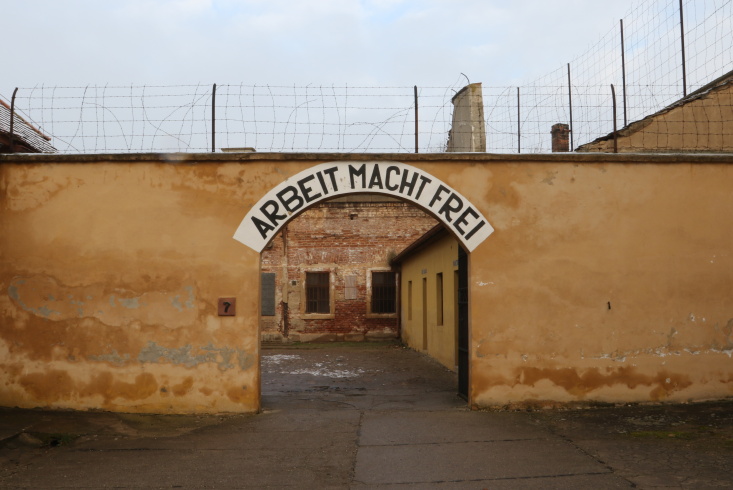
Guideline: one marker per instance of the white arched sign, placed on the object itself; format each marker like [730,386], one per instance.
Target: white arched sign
[329,180]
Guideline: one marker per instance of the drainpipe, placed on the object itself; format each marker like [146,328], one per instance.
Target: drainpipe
[286,284]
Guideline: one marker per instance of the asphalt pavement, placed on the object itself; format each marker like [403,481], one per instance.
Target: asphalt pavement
[370,416]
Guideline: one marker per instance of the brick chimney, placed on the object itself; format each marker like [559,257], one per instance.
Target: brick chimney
[560,137]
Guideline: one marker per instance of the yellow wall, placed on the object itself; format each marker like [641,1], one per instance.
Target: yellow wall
[607,278]
[606,282]
[110,277]
[418,318]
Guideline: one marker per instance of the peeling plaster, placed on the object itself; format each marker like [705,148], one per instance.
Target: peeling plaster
[580,383]
[176,300]
[42,310]
[43,296]
[221,356]
[129,303]
[664,352]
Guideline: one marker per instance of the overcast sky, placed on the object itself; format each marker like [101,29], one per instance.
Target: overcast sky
[359,42]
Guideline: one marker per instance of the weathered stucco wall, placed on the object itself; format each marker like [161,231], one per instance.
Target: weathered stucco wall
[606,282]
[110,277]
[608,277]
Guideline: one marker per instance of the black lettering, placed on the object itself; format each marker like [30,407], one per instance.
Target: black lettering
[410,185]
[324,188]
[271,214]
[476,228]
[462,220]
[330,172]
[261,226]
[423,180]
[360,172]
[436,197]
[376,180]
[390,170]
[446,209]
[293,197]
[305,190]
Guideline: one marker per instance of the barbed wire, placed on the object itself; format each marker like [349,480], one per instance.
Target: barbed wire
[647,72]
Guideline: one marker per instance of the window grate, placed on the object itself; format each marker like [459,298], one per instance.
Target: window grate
[317,289]
[384,299]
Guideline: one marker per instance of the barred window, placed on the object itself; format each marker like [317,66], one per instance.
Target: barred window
[317,290]
[267,294]
[384,292]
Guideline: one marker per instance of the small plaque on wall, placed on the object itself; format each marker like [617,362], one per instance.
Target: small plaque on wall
[227,306]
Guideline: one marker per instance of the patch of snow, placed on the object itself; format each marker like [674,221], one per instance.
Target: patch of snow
[329,373]
[279,358]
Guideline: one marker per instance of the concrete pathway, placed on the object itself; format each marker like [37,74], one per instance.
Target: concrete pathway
[373,416]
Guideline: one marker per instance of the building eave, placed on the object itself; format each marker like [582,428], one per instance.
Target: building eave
[433,234]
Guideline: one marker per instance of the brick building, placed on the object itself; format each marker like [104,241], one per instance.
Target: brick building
[326,276]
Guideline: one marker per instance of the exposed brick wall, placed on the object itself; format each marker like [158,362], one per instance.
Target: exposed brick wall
[347,239]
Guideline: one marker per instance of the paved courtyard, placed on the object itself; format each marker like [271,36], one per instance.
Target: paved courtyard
[370,416]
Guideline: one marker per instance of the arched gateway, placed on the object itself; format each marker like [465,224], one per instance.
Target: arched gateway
[329,180]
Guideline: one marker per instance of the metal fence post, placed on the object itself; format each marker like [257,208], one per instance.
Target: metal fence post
[623,69]
[12,118]
[213,120]
[519,126]
[682,40]
[615,134]
[416,123]
[570,106]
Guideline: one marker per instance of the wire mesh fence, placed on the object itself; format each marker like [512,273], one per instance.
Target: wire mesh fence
[266,117]
[661,51]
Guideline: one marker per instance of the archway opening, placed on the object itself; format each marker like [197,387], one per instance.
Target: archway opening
[346,271]
[317,287]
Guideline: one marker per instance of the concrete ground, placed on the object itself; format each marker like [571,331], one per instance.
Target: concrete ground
[370,416]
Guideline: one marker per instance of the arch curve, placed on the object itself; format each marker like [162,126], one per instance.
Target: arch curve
[328,180]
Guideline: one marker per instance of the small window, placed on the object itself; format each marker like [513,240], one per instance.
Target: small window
[384,297]
[317,287]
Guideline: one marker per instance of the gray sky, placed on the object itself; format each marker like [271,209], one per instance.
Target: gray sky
[359,42]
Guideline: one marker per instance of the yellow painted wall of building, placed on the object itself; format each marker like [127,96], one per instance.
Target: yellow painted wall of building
[607,278]
[425,264]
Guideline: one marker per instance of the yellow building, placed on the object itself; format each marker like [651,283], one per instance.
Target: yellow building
[701,122]
[429,295]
